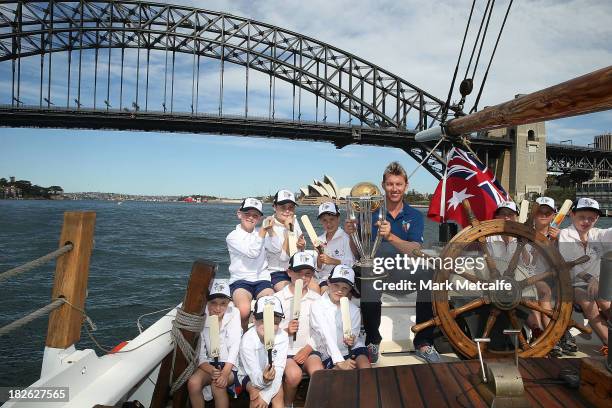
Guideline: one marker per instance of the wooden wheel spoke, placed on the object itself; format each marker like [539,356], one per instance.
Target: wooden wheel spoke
[533,305]
[490,322]
[474,304]
[515,324]
[515,257]
[471,278]
[536,278]
[493,271]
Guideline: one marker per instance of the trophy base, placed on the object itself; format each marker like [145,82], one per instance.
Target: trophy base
[367,270]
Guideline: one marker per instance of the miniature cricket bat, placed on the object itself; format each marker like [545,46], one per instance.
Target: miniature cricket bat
[524,213]
[567,204]
[213,330]
[268,316]
[297,301]
[292,238]
[346,318]
[312,234]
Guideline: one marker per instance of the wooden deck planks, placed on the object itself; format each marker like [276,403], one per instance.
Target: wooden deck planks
[388,386]
[408,388]
[548,369]
[436,385]
[470,397]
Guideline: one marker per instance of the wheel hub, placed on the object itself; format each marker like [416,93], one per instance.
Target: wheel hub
[506,299]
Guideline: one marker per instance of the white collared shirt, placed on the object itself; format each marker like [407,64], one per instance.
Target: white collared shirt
[502,252]
[326,328]
[254,360]
[247,256]
[339,247]
[303,337]
[599,241]
[230,331]
[278,260]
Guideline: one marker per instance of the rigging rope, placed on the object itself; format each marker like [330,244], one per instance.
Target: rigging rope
[484,36]
[475,107]
[426,157]
[467,69]
[450,91]
[36,263]
[32,316]
[192,323]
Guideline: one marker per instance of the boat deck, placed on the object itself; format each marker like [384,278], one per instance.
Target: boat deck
[438,385]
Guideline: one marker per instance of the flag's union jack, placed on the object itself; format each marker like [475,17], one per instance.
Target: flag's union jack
[466,178]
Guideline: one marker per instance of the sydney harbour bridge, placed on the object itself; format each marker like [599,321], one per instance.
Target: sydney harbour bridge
[131,65]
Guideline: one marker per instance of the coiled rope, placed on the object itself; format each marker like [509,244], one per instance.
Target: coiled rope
[36,263]
[192,323]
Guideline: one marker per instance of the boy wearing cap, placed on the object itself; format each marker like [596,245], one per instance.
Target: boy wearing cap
[583,238]
[223,374]
[326,324]
[249,276]
[541,222]
[300,355]
[277,243]
[502,247]
[261,380]
[337,243]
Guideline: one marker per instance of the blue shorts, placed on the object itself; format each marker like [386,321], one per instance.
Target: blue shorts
[359,351]
[312,353]
[254,288]
[232,388]
[279,276]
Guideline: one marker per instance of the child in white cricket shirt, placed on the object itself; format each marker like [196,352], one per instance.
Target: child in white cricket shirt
[263,381]
[583,238]
[249,276]
[337,243]
[277,242]
[326,324]
[301,355]
[217,377]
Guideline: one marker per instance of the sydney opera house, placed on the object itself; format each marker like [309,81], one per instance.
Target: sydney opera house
[321,191]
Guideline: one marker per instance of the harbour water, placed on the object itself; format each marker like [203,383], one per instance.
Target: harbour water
[140,263]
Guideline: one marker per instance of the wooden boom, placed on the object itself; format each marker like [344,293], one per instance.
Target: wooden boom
[586,94]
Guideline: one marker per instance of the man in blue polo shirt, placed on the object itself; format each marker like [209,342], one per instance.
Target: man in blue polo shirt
[402,233]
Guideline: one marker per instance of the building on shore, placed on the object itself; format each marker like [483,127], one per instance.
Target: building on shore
[320,191]
[599,189]
[603,142]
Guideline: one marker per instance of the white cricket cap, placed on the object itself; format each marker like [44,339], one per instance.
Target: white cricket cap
[302,260]
[219,288]
[587,204]
[266,300]
[284,197]
[345,274]
[508,204]
[328,208]
[547,201]
[251,204]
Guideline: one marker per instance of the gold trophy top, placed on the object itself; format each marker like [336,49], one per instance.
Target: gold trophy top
[365,190]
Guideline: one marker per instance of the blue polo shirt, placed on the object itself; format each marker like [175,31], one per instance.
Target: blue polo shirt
[408,226]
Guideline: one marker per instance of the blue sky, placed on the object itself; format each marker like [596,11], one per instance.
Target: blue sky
[544,43]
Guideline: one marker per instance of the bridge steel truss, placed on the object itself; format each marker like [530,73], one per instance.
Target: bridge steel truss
[383,109]
[374,98]
[564,158]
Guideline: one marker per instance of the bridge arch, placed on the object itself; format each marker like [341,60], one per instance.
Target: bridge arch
[370,94]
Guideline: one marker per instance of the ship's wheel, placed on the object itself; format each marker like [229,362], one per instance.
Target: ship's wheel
[512,303]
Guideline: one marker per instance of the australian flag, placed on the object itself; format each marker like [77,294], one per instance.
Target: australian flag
[466,178]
